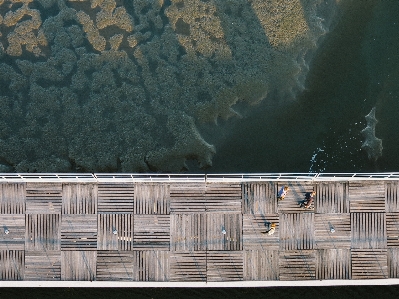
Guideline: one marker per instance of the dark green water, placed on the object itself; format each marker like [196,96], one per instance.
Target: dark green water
[363,292]
[356,68]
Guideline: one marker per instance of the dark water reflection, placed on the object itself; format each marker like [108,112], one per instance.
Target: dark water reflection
[363,292]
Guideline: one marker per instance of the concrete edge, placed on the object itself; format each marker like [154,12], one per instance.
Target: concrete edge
[228,284]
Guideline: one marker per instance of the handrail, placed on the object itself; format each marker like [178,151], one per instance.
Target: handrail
[208,178]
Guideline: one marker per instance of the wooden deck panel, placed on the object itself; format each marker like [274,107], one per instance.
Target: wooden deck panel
[187,198]
[79,198]
[188,232]
[78,265]
[296,231]
[43,232]
[15,224]
[43,198]
[393,262]
[392,229]
[115,232]
[332,197]
[369,263]
[114,265]
[325,238]
[297,265]
[115,198]
[259,198]
[79,232]
[188,266]
[231,224]
[225,266]
[12,264]
[296,195]
[261,265]
[254,227]
[368,230]
[42,265]
[223,198]
[368,197]
[151,232]
[151,265]
[333,264]
[152,199]
[392,197]
[12,198]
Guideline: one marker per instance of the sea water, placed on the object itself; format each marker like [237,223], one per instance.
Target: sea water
[355,69]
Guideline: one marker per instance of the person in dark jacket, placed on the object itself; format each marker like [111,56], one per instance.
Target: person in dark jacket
[309,197]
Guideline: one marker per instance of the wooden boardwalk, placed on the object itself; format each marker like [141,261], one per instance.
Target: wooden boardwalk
[206,231]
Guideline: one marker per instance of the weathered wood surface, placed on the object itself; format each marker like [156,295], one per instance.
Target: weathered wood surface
[198,231]
[115,198]
[332,197]
[333,264]
[332,231]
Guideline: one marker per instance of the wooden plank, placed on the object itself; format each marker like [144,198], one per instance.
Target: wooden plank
[392,197]
[151,232]
[261,265]
[332,231]
[332,197]
[79,198]
[12,264]
[223,198]
[152,199]
[115,198]
[225,266]
[43,198]
[296,231]
[12,198]
[188,232]
[333,264]
[151,265]
[78,265]
[115,232]
[297,265]
[188,266]
[393,262]
[259,198]
[79,232]
[296,195]
[224,231]
[368,230]
[187,198]
[367,196]
[114,265]
[254,237]
[392,229]
[15,225]
[42,265]
[369,263]
[43,232]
